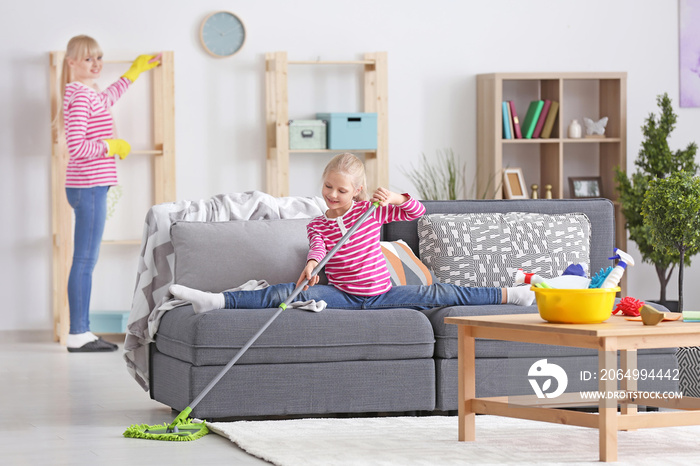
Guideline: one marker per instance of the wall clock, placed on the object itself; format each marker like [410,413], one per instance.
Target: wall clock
[222,34]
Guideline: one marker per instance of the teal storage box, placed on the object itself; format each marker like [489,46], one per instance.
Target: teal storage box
[108,321]
[351,131]
[307,134]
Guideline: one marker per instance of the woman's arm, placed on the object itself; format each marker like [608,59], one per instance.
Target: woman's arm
[76,118]
[110,95]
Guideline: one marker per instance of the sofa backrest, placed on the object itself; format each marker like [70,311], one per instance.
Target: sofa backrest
[600,212]
[216,256]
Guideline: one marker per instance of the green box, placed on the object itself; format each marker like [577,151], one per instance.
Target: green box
[307,134]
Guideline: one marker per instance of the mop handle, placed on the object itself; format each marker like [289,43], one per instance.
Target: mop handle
[281,308]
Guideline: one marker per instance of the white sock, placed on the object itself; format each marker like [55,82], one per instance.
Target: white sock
[520,295]
[202,301]
[76,340]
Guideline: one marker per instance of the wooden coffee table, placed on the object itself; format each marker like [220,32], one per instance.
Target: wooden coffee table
[615,334]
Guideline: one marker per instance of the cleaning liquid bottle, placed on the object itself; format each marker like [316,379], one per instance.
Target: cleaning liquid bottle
[570,282]
[614,277]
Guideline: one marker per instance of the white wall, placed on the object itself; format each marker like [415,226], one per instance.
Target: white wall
[435,51]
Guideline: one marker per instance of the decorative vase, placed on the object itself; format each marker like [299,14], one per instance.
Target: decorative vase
[575,130]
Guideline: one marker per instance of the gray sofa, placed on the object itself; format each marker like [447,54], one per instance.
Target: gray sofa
[342,361]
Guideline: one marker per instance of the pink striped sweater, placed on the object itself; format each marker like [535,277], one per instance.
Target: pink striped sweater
[88,123]
[358,267]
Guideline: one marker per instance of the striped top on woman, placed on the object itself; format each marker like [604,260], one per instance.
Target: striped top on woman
[358,267]
[88,123]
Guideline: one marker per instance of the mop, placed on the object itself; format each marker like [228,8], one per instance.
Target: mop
[183,428]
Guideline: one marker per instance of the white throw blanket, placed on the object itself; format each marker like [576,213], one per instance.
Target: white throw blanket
[155,272]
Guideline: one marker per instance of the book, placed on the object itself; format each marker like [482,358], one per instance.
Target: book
[506,124]
[551,119]
[510,121]
[540,120]
[533,112]
[517,134]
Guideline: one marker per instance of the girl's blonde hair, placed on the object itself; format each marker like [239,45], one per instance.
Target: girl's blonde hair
[78,48]
[348,164]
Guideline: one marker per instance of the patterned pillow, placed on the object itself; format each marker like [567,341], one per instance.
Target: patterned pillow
[487,249]
[405,268]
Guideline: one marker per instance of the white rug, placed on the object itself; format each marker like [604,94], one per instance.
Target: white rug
[433,441]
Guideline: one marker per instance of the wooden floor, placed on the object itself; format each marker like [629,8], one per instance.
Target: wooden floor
[60,408]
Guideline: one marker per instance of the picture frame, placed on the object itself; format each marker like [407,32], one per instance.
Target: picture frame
[585,187]
[514,184]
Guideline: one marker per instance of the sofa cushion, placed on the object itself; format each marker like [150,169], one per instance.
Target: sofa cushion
[404,267]
[216,256]
[296,336]
[600,212]
[446,335]
[487,249]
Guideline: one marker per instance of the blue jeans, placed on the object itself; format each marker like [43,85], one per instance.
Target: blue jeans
[410,296]
[90,207]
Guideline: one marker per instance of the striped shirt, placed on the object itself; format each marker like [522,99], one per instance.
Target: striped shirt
[358,267]
[88,123]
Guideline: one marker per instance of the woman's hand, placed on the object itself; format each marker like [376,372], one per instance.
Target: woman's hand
[385,197]
[306,274]
[141,64]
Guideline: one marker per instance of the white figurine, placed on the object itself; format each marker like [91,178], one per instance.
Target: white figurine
[595,127]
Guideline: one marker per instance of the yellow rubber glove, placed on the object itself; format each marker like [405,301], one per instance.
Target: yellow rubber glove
[141,64]
[117,147]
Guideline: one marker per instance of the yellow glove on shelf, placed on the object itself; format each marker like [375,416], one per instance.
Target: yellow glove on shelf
[117,147]
[141,64]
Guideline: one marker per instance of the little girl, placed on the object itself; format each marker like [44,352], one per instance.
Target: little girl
[357,274]
[90,172]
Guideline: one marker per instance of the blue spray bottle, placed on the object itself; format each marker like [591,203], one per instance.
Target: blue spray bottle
[614,277]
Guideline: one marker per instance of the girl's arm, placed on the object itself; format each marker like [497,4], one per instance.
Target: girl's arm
[396,207]
[76,118]
[317,248]
[317,251]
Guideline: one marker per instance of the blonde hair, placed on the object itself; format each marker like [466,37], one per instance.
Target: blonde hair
[78,48]
[348,164]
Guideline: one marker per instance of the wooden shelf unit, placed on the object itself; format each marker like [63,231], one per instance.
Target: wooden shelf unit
[277,117]
[612,150]
[163,153]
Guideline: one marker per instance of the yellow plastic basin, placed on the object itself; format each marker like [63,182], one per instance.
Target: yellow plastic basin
[582,306]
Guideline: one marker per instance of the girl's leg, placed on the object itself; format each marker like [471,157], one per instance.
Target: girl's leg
[90,207]
[435,295]
[274,295]
[441,294]
[270,297]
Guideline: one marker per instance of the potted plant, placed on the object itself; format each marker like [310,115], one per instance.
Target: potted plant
[671,211]
[443,178]
[655,161]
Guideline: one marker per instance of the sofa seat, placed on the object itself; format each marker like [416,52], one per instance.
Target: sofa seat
[502,366]
[296,336]
[446,336]
[334,361]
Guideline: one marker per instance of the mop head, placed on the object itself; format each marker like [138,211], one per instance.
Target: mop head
[185,432]
[182,429]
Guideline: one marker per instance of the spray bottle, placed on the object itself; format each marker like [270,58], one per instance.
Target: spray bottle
[613,278]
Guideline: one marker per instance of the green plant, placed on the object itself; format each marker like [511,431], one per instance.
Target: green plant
[443,178]
[671,210]
[438,179]
[655,161]
[113,196]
